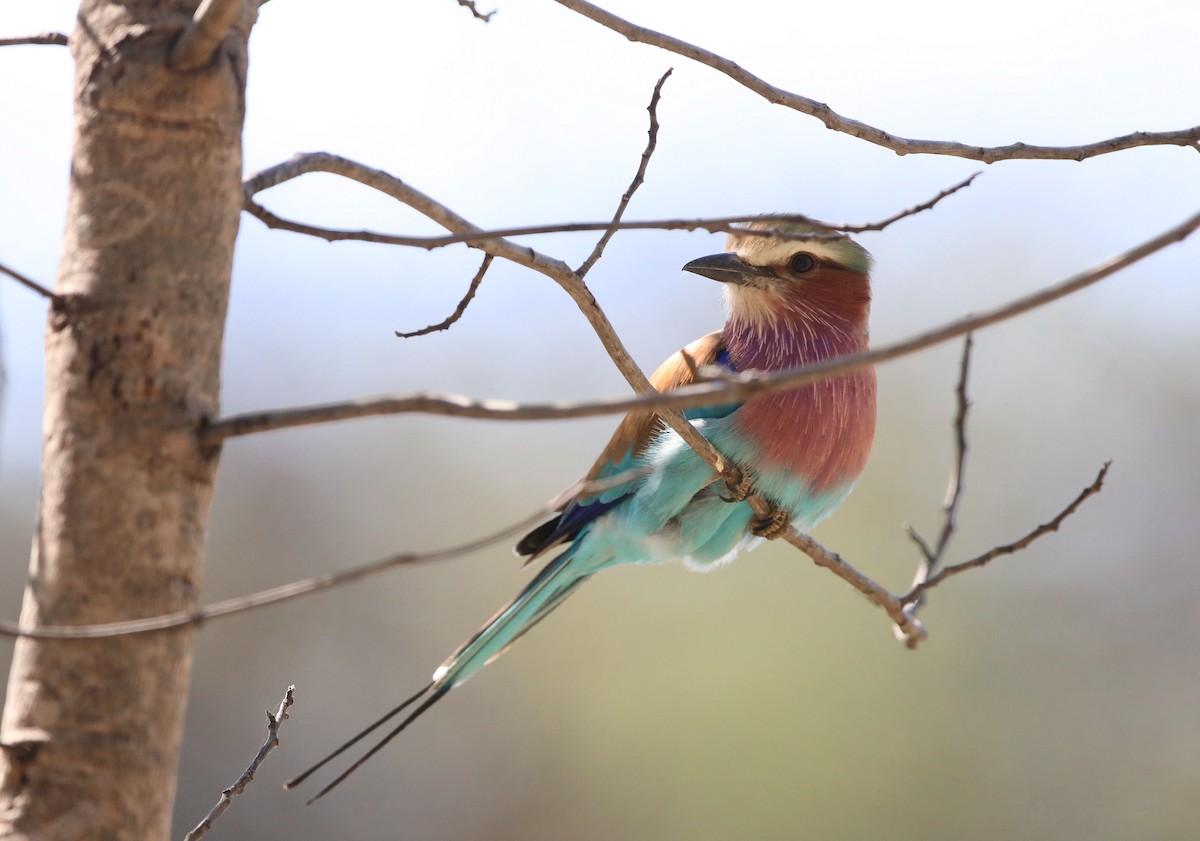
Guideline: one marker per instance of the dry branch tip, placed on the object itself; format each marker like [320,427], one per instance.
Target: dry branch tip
[870,134]
[274,722]
[46,38]
[459,310]
[475,13]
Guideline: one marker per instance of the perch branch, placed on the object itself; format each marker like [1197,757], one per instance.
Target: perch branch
[908,627]
[879,137]
[274,722]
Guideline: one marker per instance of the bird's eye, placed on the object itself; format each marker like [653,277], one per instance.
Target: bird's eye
[801,263]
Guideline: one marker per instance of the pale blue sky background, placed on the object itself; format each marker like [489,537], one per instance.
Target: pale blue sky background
[1057,697]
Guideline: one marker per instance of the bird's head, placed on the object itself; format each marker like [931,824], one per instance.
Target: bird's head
[809,271]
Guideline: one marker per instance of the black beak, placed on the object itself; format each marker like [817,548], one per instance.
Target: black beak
[726,268]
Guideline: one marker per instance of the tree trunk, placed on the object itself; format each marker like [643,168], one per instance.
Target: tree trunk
[92,728]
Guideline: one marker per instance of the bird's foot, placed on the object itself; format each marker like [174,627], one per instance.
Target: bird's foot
[772,525]
[739,484]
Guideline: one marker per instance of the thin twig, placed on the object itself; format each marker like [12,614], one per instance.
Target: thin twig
[449,321]
[274,722]
[638,179]
[1009,548]
[308,586]
[715,225]
[854,128]
[199,41]
[55,38]
[475,13]
[954,488]
[740,386]
[912,211]
[29,283]
[932,555]
[908,627]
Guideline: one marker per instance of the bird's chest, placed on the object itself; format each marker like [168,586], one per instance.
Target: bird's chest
[820,434]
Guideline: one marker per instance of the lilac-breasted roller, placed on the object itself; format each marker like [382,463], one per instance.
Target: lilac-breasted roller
[791,302]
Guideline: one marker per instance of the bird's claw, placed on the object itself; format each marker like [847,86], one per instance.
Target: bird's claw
[772,525]
[739,484]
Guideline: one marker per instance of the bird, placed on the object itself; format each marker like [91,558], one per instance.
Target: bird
[796,293]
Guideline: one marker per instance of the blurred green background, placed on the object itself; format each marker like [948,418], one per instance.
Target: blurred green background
[1059,693]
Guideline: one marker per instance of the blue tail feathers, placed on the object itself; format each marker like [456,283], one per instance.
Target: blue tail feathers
[557,580]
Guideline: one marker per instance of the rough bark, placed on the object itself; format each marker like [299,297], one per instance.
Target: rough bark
[91,729]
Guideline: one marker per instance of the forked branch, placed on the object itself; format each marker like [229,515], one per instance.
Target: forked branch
[1009,548]
[931,570]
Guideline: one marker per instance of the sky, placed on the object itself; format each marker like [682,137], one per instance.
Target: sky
[1056,696]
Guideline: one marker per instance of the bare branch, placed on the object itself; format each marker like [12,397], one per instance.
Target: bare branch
[908,627]
[475,13]
[274,722]
[735,387]
[854,128]
[954,488]
[638,178]
[1009,548]
[715,225]
[912,211]
[556,270]
[308,586]
[448,322]
[271,220]
[55,38]
[198,43]
[29,283]
[928,573]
